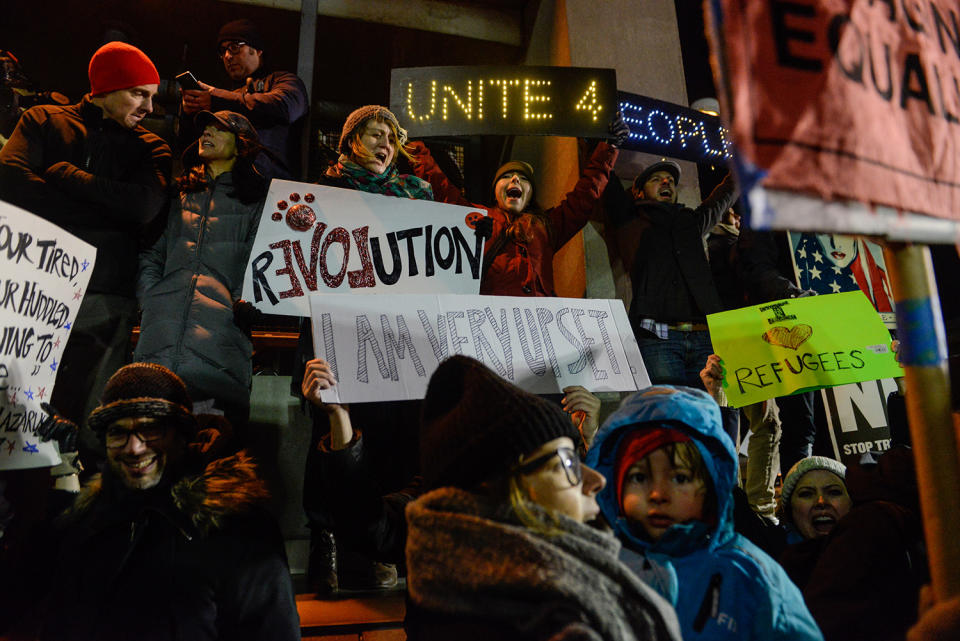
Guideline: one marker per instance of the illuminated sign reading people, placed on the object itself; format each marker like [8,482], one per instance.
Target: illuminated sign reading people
[670,130]
[562,101]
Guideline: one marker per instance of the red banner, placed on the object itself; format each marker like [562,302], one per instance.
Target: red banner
[856,100]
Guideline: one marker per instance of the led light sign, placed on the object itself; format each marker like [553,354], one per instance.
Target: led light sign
[674,131]
[452,101]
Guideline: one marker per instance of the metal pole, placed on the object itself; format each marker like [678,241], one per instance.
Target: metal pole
[307,44]
[924,356]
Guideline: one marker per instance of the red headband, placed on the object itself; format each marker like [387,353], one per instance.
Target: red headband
[639,444]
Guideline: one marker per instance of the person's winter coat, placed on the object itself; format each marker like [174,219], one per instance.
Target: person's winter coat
[474,572]
[661,246]
[189,282]
[518,257]
[722,585]
[190,559]
[87,174]
[862,581]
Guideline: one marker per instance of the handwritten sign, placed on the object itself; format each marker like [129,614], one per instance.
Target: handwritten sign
[386,348]
[43,275]
[779,348]
[665,129]
[460,101]
[846,101]
[323,239]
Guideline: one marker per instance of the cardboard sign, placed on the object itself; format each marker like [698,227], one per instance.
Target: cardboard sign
[777,349]
[831,263]
[506,100]
[858,419]
[323,239]
[675,131]
[385,349]
[44,273]
[846,100]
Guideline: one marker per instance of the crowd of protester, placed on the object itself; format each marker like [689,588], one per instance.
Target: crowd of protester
[511,516]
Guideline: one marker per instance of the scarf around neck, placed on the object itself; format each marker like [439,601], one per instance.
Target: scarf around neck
[469,557]
[390,182]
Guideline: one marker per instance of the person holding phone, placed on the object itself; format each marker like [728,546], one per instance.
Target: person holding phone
[275,102]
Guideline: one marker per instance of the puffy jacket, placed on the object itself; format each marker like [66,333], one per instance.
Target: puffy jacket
[523,265]
[695,565]
[195,558]
[188,283]
[96,179]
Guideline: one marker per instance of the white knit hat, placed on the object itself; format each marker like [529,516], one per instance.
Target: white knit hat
[800,468]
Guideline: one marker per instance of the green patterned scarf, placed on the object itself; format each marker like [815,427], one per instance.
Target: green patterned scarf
[390,182]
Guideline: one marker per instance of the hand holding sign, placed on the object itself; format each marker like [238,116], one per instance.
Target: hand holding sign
[783,347]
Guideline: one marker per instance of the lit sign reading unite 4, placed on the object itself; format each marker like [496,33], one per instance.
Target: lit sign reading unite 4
[450,101]
[670,130]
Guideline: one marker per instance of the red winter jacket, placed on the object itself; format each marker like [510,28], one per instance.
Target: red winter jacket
[521,264]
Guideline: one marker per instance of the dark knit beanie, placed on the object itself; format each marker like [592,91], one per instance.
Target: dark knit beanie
[242,30]
[144,390]
[363,114]
[476,426]
[514,165]
[117,65]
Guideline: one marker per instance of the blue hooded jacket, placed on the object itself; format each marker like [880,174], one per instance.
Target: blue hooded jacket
[722,585]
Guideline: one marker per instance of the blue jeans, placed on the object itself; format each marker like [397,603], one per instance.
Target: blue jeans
[676,360]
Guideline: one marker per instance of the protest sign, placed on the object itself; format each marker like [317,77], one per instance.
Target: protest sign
[831,263]
[779,348]
[43,274]
[858,419]
[505,100]
[383,349]
[845,101]
[324,239]
[675,131]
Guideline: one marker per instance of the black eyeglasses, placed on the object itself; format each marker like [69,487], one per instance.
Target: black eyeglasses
[233,46]
[117,437]
[569,460]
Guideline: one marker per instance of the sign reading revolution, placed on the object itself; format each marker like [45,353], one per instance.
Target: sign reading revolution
[504,100]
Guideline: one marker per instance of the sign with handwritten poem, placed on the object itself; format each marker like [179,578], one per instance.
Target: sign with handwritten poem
[386,348]
[780,348]
[313,238]
[43,275]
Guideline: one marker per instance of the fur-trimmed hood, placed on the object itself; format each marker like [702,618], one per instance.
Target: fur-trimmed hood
[201,502]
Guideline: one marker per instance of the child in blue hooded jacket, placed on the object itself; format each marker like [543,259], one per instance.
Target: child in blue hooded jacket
[670,471]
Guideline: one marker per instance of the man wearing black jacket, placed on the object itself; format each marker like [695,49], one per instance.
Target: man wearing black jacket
[93,170]
[661,243]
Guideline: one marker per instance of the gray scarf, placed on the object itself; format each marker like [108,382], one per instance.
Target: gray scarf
[466,556]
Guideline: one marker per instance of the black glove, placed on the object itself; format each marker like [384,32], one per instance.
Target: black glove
[484,228]
[245,315]
[57,428]
[618,130]
[804,293]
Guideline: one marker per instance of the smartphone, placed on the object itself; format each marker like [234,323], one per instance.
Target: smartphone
[187,81]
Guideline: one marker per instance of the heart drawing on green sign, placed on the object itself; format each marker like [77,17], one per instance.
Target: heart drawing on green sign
[792,338]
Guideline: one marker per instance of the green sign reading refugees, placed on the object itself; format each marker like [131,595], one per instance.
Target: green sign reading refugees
[783,347]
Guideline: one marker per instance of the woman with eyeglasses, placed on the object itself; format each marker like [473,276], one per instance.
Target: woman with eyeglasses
[498,548]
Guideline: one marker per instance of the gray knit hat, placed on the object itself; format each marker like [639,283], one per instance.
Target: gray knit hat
[800,468]
[476,426]
[363,114]
[663,165]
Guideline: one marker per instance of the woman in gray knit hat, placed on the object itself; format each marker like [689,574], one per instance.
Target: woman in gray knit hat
[814,496]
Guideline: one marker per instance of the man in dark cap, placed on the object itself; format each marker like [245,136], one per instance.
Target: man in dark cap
[92,169]
[171,542]
[274,101]
[661,244]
